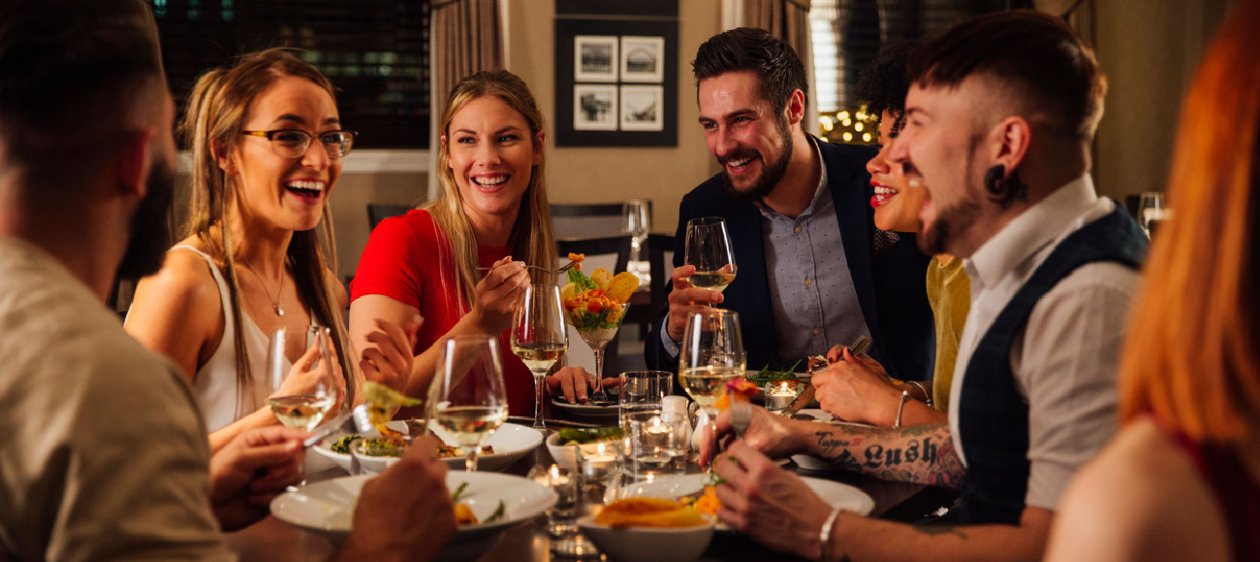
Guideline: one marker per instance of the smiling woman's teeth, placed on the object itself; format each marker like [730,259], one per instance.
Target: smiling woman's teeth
[488,181]
[306,188]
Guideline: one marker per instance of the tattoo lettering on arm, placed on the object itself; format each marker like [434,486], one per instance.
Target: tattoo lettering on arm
[922,454]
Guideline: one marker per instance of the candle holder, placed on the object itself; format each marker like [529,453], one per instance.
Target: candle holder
[780,394]
[566,539]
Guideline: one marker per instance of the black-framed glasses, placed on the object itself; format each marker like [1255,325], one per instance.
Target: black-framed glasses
[293,143]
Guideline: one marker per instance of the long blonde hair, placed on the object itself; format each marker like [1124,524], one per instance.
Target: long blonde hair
[1202,274]
[211,127]
[531,238]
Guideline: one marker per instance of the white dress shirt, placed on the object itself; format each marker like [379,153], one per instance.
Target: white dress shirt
[1065,360]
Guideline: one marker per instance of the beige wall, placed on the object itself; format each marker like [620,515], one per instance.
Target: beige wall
[1149,50]
[598,175]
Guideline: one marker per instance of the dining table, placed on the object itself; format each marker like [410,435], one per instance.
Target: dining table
[273,540]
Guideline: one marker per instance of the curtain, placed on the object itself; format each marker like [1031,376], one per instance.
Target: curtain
[789,20]
[465,36]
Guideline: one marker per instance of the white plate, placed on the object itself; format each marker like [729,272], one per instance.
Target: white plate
[510,442]
[835,494]
[327,507]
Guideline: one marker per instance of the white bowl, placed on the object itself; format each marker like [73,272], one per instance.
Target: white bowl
[565,456]
[510,442]
[648,544]
[327,508]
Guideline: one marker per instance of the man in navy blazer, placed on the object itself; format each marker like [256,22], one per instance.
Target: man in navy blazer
[812,269]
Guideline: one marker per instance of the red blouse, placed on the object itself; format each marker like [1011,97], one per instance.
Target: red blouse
[408,259]
[1236,492]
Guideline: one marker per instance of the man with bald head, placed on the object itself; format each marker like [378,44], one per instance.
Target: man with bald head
[999,119]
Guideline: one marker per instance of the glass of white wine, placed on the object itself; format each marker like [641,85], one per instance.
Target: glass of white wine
[539,336]
[305,409]
[468,396]
[708,248]
[712,353]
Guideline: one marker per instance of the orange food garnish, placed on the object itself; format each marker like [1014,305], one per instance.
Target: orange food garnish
[708,502]
[649,512]
[737,388]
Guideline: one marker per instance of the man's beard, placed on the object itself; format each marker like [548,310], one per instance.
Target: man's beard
[949,224]
[150,227]
[771,173]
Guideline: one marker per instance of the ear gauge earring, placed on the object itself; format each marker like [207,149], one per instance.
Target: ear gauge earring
[1004,190]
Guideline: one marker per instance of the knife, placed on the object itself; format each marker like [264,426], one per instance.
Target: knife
[807,394]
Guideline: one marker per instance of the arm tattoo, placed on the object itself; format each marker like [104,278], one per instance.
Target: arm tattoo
[923,454]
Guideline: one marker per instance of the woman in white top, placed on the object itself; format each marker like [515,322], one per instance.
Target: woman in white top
[267,146]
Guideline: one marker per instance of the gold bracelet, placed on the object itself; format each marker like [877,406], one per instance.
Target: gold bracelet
[905,395]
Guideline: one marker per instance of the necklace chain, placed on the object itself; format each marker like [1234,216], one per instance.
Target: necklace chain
[275,303]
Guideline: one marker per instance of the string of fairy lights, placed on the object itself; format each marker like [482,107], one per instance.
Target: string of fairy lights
[855,126]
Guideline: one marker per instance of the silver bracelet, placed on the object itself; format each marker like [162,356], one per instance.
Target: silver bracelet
[905,395]
[927,396]
[824,534]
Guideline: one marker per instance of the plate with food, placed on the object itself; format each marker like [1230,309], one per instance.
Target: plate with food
[598,412]
[508,444]
[696,488]
[649,529]
[486,504]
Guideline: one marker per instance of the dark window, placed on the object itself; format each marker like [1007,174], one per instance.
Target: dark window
[376,52]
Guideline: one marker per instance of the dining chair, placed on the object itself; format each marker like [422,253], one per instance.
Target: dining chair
[660,248]
[589,220]
[378,212]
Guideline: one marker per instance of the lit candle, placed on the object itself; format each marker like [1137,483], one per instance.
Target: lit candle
[597,464]
[778,398]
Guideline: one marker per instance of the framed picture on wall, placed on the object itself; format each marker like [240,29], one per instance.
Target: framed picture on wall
[595,58]
[633,104]
[595,107]
[642,59]
[642,108]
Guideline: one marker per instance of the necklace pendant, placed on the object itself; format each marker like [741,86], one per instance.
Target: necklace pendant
[279,310]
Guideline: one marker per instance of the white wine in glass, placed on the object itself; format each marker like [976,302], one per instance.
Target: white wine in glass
[539,336]
[305,410]
[708,248]
[468,396]
[712,353]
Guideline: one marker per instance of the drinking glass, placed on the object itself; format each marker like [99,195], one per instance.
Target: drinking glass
[305,410]
[566,539]
[712,353]
[468,395]
[656,444]
[1151,209]
[637,225]
[708,248]
[539,337]
[642,393]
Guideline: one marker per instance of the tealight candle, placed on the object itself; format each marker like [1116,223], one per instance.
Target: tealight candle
[597,464]
[780,396]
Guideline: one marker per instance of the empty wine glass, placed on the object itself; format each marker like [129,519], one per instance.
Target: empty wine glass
[638,222]
[539,336]
[307,407]
[468,395]
[708,248]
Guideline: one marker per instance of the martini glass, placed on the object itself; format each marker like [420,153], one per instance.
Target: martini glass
[597,328]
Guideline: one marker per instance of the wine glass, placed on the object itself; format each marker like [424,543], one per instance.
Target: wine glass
[539,337]
[708,248]
[637,225]
[712,353]
[305,410]
[468,395]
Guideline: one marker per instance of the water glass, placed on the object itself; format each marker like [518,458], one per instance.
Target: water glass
[641,394]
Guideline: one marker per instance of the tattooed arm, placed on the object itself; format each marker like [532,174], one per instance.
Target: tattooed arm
[923,454]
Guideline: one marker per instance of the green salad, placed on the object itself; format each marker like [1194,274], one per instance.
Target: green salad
[767,375]
[574,436]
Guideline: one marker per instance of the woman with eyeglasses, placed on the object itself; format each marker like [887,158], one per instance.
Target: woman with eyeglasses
[267,148]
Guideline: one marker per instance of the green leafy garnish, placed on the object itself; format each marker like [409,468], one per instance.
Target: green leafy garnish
[581,281]
[766,374]
[459,491]
[577,436]
[499,512]
[342,445]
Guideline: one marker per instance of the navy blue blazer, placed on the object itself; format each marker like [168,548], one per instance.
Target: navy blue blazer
[890,286]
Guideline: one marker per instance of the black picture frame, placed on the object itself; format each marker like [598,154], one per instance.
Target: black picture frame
[569,27]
